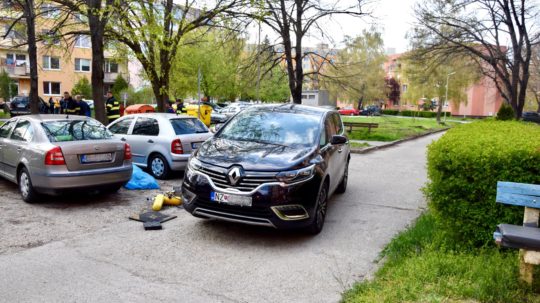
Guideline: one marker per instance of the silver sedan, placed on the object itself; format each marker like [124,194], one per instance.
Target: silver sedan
[55,153]
[161,142]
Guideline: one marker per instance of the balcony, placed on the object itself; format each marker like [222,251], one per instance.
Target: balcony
[110,77]
[22,71]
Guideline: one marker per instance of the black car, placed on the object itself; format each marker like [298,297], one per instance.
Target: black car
[531,117]
[270,165]
[371,110]
[20,105]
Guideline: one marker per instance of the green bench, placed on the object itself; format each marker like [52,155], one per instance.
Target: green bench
[367,125]
[524,237]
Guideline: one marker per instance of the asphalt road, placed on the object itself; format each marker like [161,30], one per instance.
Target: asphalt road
[84,249]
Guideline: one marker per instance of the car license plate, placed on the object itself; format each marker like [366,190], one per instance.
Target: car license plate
[21,105]
[230,199]
[94,158]
[195,145]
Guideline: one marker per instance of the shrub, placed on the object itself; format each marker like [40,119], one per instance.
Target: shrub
[83,88]
[464,167]
[392,112]
[506,112]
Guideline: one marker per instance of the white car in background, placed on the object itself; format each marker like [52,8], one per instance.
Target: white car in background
[160,142]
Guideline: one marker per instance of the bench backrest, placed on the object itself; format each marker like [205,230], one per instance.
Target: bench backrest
[519,194]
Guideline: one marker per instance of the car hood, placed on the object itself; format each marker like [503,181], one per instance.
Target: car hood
[251,155]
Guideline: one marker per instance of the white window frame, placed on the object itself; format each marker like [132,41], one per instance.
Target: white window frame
[55,40]
[80,70]
[107,67]
[49,59]
[49,11]
[79,39]
[50,88]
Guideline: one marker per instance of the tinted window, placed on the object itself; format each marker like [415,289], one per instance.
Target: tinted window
[75,130]
[273,127]
[6,129]
[146,127]
[121,127]
[188,126]
[23,131]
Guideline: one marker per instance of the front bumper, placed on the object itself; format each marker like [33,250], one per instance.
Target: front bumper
[267,201]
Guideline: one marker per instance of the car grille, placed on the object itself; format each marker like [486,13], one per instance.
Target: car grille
[259,212]
[249,182]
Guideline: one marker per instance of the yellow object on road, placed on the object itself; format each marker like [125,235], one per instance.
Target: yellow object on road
[172,200]
[158,202]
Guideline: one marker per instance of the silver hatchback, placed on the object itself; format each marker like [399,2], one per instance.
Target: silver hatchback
[56,153]
[161,142]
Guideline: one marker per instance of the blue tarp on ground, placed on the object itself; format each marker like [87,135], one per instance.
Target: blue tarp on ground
[141,180]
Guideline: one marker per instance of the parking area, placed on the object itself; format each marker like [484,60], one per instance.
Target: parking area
[62,250]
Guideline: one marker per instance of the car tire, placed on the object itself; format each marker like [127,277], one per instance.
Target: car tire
[158,167]
[342,187]
[26,188]
[111,189]
[320,211]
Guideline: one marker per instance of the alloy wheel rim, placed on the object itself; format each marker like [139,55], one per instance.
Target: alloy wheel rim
[158,167]
[24,184]
[321,209]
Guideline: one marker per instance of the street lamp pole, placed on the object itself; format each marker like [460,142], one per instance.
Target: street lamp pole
[446,98]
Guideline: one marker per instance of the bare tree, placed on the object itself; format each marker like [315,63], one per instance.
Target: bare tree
[293,20]
[26,10]
[480,29]
[534,86]
[154,29]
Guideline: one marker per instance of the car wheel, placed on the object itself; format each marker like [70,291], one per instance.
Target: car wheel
[342,187]
[320,211]
[26,188]
[159,168]
[111,189]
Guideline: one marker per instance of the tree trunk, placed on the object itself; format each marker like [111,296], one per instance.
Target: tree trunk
[439,111]
[161,97]
[32,54]
[97,29]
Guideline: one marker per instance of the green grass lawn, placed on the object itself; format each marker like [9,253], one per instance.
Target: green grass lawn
[359,144]
[393,128]
[420,267]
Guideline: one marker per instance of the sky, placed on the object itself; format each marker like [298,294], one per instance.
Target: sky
[391,17]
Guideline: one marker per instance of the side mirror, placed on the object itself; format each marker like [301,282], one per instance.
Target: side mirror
[216,127]
[337,140]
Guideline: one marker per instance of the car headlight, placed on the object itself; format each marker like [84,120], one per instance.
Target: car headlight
[298,175]
[194,164]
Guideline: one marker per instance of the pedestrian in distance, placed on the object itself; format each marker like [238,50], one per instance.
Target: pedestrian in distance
[57,106]
[169,108]
[51,105]
[180,108]
[113,107]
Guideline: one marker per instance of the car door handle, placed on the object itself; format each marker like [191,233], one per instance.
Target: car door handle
[150,141]
[123,139]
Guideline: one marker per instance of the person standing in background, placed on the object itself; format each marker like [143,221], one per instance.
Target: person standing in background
[85,108]
[113,107]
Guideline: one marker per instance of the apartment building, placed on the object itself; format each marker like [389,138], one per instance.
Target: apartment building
[62,61]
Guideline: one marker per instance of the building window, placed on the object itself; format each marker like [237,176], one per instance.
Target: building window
[16,59]
[51,63]
[51,88]
[82,65]
[404,88]
[49,10]
[83,41]
[111,66]
[80,17]
[49,37]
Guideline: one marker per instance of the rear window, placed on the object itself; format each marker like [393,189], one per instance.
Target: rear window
[188,126]
[75,130]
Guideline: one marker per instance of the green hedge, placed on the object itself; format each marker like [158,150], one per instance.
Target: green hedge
[412,113]
[464,166]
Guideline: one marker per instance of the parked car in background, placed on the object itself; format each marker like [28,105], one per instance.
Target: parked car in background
[160,142]
[349,111]
[531,117]
[272,165]
[20,105]
[50,154]
[217,117]
[234,108]
[371,110]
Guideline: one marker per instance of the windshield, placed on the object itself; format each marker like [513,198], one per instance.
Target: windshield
[273,127]
[75,130]
[188,126]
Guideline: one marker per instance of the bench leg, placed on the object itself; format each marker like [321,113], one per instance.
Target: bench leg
[529,273]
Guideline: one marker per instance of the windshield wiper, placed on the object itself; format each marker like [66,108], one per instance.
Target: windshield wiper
[267,142]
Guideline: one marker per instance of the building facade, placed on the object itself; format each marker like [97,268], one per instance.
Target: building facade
[62,61]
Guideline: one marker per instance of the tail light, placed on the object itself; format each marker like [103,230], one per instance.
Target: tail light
[127,152]
[176,147]
[55,157]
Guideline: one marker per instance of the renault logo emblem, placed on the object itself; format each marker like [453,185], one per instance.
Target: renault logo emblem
[234,175]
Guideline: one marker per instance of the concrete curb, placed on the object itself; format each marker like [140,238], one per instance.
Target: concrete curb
[393,143]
